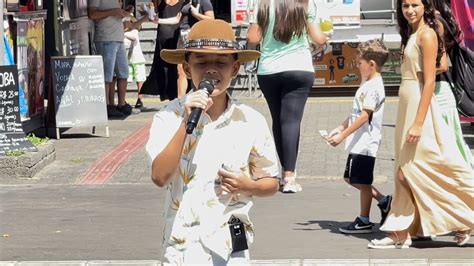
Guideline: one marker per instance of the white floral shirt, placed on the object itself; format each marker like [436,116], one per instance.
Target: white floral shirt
[196,208]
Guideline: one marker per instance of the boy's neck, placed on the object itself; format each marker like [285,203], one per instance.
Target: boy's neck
[373,75]
[218,107]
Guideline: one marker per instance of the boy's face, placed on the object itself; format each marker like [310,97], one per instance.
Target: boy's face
[366,68]
[220,67]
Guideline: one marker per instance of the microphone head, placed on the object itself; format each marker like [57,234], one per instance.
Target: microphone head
[207,84]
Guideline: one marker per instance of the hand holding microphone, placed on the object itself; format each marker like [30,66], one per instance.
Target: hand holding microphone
[196,102]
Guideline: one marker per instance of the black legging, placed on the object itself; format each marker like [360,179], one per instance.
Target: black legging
[286,94]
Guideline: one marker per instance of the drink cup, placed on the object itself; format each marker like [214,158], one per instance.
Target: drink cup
[326,27]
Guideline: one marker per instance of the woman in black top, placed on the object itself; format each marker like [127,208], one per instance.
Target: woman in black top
[191,14]
[162,79]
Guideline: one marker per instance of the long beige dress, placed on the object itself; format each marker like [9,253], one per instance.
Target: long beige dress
[441,182]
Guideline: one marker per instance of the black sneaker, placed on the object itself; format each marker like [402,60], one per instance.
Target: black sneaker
[112,112]
[385,209]
[357,227]
[139,104]
[127,109]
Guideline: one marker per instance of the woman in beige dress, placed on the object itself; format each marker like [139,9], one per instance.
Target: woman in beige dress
[434,186]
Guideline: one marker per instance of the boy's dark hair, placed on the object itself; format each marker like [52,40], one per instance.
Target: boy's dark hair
[373,50]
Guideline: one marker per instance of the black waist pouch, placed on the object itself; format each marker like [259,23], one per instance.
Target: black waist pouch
[237,233]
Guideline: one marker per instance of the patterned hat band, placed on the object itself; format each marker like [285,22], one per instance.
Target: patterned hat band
[211,44]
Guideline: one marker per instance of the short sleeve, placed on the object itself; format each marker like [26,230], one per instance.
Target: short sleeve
[263,160]
[253,11]
[165,124]
[311,11]
[372,100]
[206,6]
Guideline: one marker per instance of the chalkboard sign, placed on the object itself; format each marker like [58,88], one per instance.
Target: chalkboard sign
[79,91]
[12,136]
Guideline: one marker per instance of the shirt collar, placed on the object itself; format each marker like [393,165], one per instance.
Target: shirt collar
[225,117]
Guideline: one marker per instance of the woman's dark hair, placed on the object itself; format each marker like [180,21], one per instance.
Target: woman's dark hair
[450,25]
[290,18]
[430,19]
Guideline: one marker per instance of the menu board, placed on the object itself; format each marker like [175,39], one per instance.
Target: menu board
[12,136]
[79,91]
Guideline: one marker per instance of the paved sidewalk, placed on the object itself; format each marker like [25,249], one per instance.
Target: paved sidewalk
[124,222]
[77,149]
[297,262]
[61,216]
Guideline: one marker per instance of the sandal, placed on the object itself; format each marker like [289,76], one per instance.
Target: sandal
[389,243]
[462,237]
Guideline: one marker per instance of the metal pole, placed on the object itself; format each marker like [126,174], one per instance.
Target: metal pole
[393,12]
[2,48]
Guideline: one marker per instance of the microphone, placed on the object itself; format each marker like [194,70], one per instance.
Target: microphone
[206,85]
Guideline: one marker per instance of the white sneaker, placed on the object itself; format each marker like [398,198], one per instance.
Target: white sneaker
[292,187]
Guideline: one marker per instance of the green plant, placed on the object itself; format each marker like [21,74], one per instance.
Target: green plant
[36,140]
[15,153]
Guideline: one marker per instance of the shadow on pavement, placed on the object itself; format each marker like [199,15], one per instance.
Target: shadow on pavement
[333,227]
[81,136]
[427,243]
[149,110]
[118,118]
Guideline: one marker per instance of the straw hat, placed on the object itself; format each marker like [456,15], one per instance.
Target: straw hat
[210,37]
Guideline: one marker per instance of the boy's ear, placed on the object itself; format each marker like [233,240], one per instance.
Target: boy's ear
[187,70]
[372,63]
[236,68]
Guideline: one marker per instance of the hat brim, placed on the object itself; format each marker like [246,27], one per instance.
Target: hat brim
[176,56]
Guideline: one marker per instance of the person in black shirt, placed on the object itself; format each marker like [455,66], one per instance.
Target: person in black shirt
[163,76]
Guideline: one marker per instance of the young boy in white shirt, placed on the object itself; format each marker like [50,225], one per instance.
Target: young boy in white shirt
[212,171]
[363,132]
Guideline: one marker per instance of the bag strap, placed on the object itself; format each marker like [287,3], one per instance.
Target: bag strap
[448,30]
[377,107]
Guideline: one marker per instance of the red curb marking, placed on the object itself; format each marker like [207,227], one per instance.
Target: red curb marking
[104,168]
